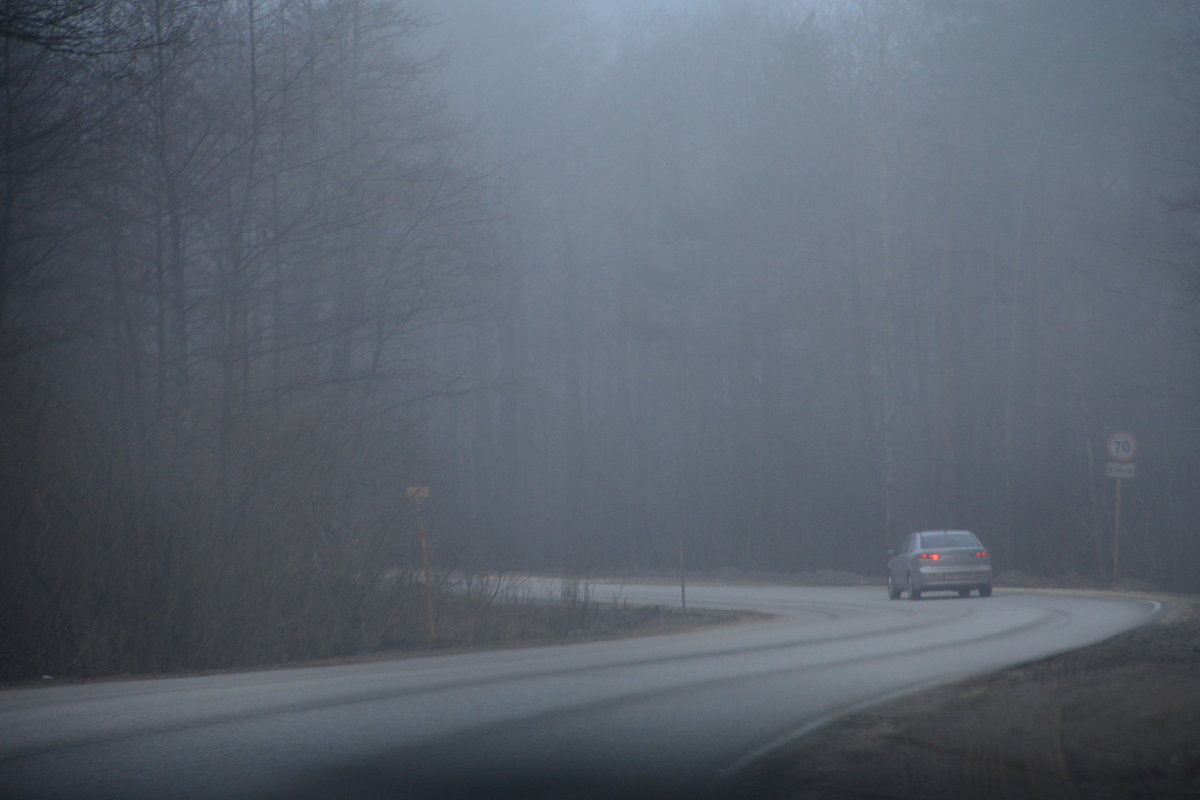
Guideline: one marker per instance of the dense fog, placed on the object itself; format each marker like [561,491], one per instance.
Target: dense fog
[744,285]
[785,281]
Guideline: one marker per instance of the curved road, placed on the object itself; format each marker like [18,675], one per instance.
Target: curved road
[650,717]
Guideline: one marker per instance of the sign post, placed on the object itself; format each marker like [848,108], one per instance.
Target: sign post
[417,494]
[682,577]
[1121,448]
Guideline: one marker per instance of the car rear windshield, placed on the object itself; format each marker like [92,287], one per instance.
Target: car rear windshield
[948,539]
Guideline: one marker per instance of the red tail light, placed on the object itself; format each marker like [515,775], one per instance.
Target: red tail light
[930,556]
[981,554]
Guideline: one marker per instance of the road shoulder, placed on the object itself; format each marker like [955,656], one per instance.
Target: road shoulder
[1120,719]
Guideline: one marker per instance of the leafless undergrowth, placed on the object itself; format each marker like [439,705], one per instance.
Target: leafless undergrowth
[362,615]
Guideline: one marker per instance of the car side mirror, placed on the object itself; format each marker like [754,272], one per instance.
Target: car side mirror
[891,551]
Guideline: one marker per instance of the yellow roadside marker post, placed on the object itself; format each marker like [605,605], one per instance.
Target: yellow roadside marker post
[417,494]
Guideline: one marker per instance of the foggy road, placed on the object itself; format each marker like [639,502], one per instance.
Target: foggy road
[662,714]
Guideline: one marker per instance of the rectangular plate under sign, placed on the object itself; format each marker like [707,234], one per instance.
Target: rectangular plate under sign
[1116,469]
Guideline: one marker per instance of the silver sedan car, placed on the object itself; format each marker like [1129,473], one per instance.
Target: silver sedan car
[939,561]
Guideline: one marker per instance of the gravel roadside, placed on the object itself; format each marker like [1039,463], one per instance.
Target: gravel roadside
[1120,719]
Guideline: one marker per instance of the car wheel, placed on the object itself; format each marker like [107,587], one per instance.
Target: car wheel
[893,590]
[985,591]
[913,592]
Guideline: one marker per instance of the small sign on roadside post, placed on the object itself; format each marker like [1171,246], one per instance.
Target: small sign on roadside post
[419,493]
[1121,448]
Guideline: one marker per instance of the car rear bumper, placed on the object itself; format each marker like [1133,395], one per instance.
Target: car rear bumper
[930,579]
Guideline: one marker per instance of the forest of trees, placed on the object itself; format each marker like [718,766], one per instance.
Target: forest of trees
[229,230]
[772,283]
[789,283]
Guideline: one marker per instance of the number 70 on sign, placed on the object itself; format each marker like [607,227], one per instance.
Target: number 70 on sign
[1122,446]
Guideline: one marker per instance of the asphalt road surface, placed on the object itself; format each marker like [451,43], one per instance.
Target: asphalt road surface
[651,717]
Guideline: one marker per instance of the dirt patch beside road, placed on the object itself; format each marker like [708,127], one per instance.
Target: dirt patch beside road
[1120,719]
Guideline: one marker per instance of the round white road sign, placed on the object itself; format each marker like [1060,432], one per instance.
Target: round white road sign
[1122,446]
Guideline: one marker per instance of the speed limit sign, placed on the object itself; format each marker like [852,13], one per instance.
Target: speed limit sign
[1122,446]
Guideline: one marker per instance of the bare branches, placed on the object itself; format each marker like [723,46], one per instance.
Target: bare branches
[79,27]
[245,220]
